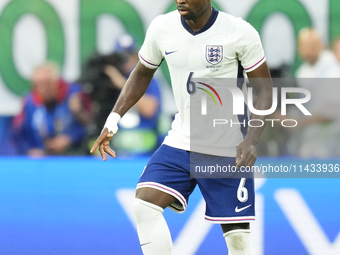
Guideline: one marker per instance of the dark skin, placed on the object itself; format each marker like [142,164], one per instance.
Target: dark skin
[196,14]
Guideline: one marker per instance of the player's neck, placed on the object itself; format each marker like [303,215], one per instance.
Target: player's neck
[198,23]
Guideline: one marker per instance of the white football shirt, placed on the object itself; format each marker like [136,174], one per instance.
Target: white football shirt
[232,39]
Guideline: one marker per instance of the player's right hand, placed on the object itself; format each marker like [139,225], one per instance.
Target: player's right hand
[103,142]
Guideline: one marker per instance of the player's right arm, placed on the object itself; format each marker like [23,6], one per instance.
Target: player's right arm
[132,91]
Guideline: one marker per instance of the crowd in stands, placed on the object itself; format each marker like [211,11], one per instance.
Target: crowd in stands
[53,119]
[60,118]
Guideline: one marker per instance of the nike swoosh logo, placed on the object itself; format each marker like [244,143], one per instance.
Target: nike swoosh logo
[170,52]
[241,209]
[145,243]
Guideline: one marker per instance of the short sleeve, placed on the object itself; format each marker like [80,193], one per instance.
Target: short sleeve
[248,47]
[150,54]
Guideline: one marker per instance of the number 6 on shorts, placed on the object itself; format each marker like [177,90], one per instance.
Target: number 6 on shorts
[242,192]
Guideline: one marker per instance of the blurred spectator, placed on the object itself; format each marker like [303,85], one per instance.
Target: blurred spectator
[335,72]
[54,115]
[103,77]
[7,145]
[336,48]
[316,135]
[317,61]
[100,88]
[138,132]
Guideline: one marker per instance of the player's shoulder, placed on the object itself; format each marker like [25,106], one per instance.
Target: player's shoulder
[165,19]
[235,24]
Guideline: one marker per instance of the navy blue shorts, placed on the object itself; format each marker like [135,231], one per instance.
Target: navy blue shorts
[228,200]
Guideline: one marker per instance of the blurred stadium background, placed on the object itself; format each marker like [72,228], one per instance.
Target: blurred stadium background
[80,205]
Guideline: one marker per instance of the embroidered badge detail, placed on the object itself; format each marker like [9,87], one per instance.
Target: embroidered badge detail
[214,54]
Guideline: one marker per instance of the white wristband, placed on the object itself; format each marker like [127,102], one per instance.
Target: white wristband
[112,121]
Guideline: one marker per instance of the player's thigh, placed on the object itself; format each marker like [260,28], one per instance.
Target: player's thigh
[166,179]
[233,226]
[155,197]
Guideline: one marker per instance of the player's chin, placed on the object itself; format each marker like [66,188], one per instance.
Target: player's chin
[186,15]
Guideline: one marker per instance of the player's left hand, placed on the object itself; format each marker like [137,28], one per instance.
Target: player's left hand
[103,142]
[245,154]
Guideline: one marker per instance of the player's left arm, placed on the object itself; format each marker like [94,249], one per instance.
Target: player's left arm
[261,82]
